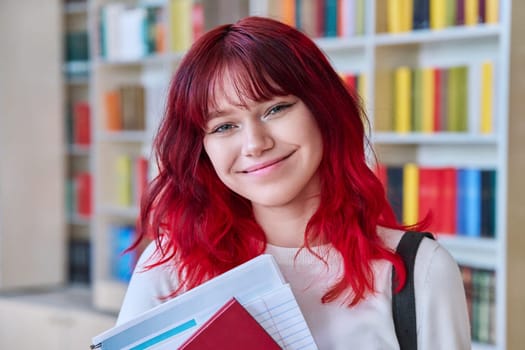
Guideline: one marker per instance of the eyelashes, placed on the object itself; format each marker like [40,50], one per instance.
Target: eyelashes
[272,112]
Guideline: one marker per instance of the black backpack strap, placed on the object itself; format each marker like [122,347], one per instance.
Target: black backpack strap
[404,302]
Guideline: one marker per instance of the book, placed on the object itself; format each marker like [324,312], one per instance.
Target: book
[451,15]
[79,261]
[232,328]
[122,262]
[487,97]
[488,203]
[394,176]
[469,202]
[346,18]
[402,99]
[410,193]
[81,124]
[360,8]
[437,14]
[492,11]
[330,22]
[416,122]
[132,106]
[421,14]
[257,285]
[428,196]
[181,27]
[83,190]
[457,99]
[112,107]
[448,209]
[407,11]
[395,18]
[471,12]
[123,171]
[428,99]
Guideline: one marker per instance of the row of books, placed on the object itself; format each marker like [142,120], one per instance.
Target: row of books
[122,263]
[437,99]
[133,32]
[79,124]
[408,15]
[321,18]
[460,200]
[480,287]
[79,195]
[131,176]
[125,108]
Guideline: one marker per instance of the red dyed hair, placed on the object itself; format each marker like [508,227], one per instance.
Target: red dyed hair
[205,229]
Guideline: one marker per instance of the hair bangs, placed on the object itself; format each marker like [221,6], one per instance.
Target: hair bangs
[243,81]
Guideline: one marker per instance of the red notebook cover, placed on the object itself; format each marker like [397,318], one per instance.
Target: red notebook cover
[232,328]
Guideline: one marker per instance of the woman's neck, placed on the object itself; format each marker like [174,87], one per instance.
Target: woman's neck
[284,226]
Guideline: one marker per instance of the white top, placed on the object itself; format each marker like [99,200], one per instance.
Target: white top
[442,318]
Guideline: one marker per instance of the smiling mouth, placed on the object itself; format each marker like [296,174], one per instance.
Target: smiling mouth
[266,164]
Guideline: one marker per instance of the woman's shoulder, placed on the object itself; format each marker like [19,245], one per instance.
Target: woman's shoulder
[392,237]
[430,251]
[149,286]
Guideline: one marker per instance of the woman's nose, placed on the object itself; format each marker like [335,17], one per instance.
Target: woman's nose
[256,139]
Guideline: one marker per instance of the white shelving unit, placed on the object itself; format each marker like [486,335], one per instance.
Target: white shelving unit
[373,52]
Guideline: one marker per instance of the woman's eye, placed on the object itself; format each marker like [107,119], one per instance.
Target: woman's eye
[222,128]
[279,108]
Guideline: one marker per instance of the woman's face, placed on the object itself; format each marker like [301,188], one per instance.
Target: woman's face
[268,152]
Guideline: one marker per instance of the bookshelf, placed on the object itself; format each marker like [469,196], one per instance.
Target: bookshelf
[371,51]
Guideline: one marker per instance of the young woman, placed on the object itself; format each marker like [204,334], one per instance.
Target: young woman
[262,150]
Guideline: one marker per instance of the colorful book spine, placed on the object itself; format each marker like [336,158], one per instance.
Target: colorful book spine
[360,17]
[429,195]
[122,261]
[79,261]
[457,99]
[488,203]
[428,99]
[471,12]
[421,14]
[394,16]
[492,11]
[123,181]
[395,191]
[450,13]
[487,98]
[113,110]
[437,14]
[448,209]
[410,193]
[330,22]
[402,99]
[180,24]
[82,124]
[346,20]
[416,121]
[472,202]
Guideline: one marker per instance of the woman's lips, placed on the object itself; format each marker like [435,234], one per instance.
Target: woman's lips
[265,165]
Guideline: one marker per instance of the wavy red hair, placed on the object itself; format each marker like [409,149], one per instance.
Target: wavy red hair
[204,228]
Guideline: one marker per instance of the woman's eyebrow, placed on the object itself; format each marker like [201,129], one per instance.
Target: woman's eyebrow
[216,113]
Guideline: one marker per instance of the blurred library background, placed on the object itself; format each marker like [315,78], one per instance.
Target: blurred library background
[82,89]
